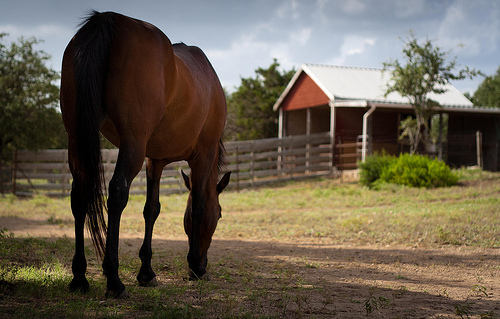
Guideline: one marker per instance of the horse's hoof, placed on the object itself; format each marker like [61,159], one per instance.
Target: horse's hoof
[79,285]
[116,295]
[151,283]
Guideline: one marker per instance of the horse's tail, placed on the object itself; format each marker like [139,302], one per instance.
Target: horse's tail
[91,54]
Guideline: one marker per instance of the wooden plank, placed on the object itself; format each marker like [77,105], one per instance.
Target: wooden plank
[346,145]
[29,167]
[348,155]
[49,176]
[42,156]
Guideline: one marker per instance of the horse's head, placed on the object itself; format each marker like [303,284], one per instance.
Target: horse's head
[200,230]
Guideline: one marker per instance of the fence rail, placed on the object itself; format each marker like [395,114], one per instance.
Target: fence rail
[253,163]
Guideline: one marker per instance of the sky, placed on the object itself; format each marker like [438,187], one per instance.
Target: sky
[239,36]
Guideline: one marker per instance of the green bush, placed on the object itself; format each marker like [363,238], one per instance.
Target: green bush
[372,168]
[409,170]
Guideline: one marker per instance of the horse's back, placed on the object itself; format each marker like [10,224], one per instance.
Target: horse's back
[162,100]
[140,65]
[195,113]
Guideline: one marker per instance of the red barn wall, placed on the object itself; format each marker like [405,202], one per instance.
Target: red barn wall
[304,94]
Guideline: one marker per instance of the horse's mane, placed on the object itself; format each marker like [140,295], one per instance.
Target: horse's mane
[222,163]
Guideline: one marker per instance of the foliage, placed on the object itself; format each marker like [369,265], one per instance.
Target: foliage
[409,129]
[434,129]
[371,170]
[419,171]
[28,98]
[408,170]
[488,92]
[424,71]
[250,107]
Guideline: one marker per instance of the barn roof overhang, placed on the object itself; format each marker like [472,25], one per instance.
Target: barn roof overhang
[400,106]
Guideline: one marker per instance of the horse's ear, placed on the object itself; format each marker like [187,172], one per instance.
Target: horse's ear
[186,180]
[223,182]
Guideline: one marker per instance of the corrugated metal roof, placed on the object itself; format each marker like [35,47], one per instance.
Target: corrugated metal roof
[369,84]
[350,83]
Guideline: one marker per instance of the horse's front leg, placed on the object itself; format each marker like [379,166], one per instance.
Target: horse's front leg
[146,276]
[195,223]
[127,167]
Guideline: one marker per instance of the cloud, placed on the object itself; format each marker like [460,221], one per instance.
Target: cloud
[353,6]
[351,46]
[478,37]
[242,57]
[408,8]
[42,31]
[300,37]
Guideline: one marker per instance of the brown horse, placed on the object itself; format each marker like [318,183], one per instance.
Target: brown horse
[153,100]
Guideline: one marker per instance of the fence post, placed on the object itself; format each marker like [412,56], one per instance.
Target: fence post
[237,171]
[252,164]
[14,170]
[341,160]
[64,172]
[479,149]
[280,156]
[292,157]
[308,155]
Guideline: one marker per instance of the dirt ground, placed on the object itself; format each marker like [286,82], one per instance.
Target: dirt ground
[317,280]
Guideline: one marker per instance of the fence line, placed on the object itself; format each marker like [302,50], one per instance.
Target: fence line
[253,163]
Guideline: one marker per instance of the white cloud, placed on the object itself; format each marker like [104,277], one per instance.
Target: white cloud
[243,57]
[300,37]
[352,45]
[288,9]
[466,22]
[408,8]
[353,6]
[40,31]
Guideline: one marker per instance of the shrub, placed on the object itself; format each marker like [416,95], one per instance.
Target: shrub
[419,171]
[409,170]
[372,168]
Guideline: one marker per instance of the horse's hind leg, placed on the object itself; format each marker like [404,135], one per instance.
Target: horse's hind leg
[129,163]
[79,265]
[154,168]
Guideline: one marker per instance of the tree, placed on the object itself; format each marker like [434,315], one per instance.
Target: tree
[28,98]
[426,71]
[250,107]
[488,92]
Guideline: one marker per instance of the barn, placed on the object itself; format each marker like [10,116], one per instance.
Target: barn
[349,103]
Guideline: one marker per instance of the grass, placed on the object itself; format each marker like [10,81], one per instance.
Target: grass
[347,213]
[35,272]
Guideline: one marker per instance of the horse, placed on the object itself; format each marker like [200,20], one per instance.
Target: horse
[155,101]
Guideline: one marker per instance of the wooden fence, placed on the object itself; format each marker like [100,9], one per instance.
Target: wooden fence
[253,163]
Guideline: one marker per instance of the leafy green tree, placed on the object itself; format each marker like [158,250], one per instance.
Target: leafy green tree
[250,107]
[28,98]
[488,92]
[425,70]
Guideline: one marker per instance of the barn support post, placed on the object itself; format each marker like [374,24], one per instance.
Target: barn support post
[308,134]
[479,149]
[440,138]
[366,116]
[332,137]
[280,137]
[280,123]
